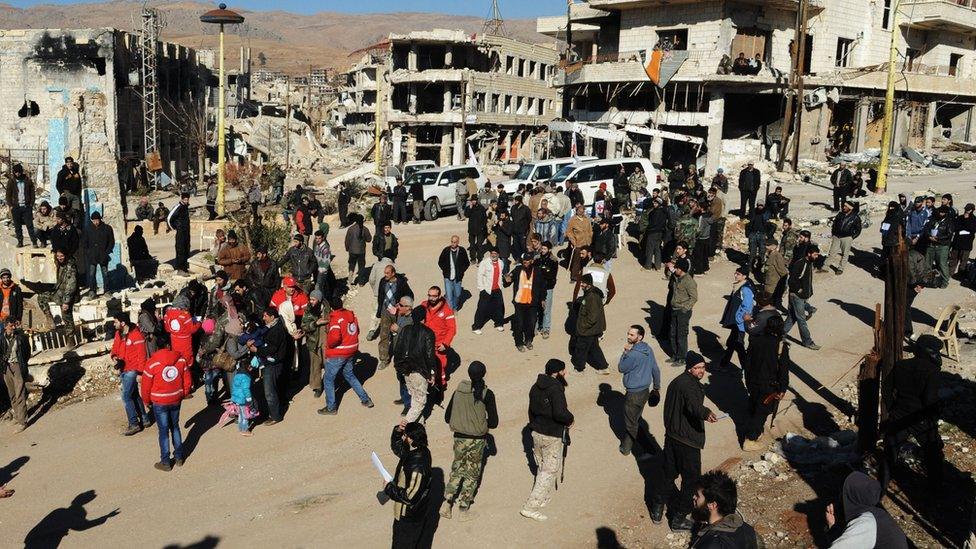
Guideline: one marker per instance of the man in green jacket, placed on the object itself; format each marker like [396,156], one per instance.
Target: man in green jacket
[65,290]
[590,325]
[684,295]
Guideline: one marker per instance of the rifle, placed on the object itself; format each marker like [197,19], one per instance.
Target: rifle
[562,467]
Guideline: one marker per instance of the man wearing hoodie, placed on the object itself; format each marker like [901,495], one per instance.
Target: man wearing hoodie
[866,523]
[591,322]
[410,487]
[549,421]
[639,368]
[719,525]
[470,413]
[685,415]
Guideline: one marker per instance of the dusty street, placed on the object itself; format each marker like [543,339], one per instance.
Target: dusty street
[308,481]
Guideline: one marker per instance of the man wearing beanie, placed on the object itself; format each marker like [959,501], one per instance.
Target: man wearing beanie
[590,325]
[914,413]
[739,305]
[685,415]
[315,322]
[549,421]
[684,295]
[470,413]
[233,257]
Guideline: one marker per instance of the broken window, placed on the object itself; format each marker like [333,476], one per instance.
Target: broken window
[401,98]
[431,57]
[509,62]
[844,48]
[496,101]
[401,56]
[508,104]
[430,99]
[954,60]
[886,15]
[674,39]
[543,68]
[911,59]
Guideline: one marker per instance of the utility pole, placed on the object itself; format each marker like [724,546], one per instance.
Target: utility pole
[795,69]
[882,183]
[287,122]
[804,17]
[150,90]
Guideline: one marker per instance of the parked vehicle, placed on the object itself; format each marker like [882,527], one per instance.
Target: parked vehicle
[541,171]
[589,175]
[439,186]
[410,168]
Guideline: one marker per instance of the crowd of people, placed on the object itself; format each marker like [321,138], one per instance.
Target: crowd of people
[263,322]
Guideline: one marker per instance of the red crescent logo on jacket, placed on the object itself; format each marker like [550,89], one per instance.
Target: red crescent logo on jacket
[352,328]
[170,373]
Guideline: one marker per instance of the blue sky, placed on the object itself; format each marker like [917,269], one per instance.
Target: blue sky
[479,8]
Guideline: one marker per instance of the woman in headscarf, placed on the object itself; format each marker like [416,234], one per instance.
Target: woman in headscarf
[866,524]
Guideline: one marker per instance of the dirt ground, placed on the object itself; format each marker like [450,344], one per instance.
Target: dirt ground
[308,481]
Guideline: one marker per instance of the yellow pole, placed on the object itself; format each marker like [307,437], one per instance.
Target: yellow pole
[882,183]
[221,152]
[377,118]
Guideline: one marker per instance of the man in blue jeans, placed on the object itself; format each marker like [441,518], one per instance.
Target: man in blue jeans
[273,353]
[341,348]
[129,352]
[166,381]
[548,267]
[453,262]
[404,318]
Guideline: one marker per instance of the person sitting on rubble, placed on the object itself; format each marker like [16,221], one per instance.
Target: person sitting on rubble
[777,204]
[144,211]
[160,215]
[142,261]
[44,222]
[741,65]
[755,64]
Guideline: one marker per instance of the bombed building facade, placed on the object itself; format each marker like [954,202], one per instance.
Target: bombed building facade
[77,93]
[440,95]
[736,110]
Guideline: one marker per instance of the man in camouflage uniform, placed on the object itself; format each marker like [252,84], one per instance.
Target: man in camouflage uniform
[788,241]
[471,413]
[686,230]
[65,290]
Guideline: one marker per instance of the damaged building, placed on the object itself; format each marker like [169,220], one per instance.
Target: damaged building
[438,95]
[734,112]
[77,93]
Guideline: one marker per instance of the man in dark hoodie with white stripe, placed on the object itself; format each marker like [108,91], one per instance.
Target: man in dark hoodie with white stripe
[639,368]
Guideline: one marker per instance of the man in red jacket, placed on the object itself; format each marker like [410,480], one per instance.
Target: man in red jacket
[341,348]
[181,327]
[129,352]
[440,319]
[165,383]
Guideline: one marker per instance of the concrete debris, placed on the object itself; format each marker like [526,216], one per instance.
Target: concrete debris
[916,156]
[839,447]
[961,146]
[867,156]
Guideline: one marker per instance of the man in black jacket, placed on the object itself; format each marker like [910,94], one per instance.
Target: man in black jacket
[69,180]
[549,421]
[382,214]
[414,362]
[273,353]
[417,199]
[685,415]
[841,181]
[385,243]
[914,412]
[400,196]
[657,223]
[453,262]
[800,283]
[345,197]
[301,263]
[846,227]
[98,241]
[521,217]
[390,289]
[262,276]
[718,524]
[410,486]
[938,231]
[527,295]
[477,229]
[14,352]
[179,221]
[548,268]
[749,182]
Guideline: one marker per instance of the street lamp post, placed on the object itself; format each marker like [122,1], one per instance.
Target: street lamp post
[221,16]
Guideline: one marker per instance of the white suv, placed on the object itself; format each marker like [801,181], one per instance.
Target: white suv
[439,187]
[541,171]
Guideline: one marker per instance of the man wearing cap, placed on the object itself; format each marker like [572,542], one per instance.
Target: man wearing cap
[300,260]
[65,289]
[684,296]
[179,221]
[11,299]
[20,200]
[129,352]
[315,323]
[749,183]
[528,293]
[602,277]
[685,415]
[738,307]
[591,322]
[291,302]
[846,227]
[721,181]
[471,413]
[801,290]
[98,241]
[549,422]
[234,257]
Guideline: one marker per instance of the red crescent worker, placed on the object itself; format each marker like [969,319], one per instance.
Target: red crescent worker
[440,319]
[181,327]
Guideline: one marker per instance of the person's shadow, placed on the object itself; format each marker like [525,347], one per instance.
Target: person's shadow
[52,529]
[612,403]
[8,472]
[200,423]
[207,542]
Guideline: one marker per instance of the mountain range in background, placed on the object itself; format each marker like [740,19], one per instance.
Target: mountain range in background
[290,42]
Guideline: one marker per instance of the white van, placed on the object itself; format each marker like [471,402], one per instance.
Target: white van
[589,175]
[541,171]
[439,186]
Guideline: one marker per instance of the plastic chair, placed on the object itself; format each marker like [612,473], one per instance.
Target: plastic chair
[949,316]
